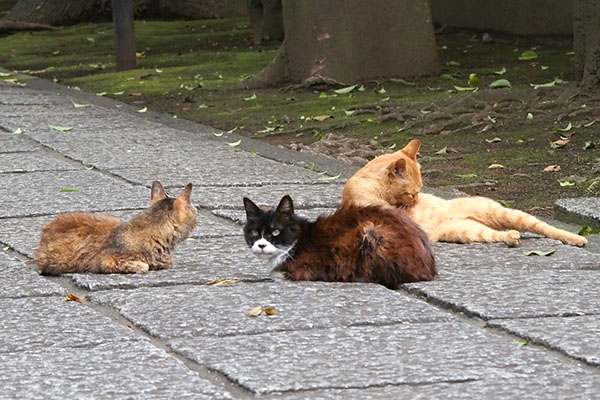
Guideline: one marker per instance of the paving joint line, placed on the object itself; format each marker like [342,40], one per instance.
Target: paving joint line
[466,316]
[112,313]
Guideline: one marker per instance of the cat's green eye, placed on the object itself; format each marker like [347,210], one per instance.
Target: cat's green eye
[254,232]
[275,232]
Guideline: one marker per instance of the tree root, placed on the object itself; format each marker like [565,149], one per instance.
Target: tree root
[8,25]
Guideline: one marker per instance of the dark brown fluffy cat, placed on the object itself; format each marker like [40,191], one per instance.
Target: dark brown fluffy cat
[355,244]
[83,242]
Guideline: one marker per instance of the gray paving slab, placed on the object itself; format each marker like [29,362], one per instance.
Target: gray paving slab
[492,292]
[582,210]
[482,255]
[573,383]
[10,142]
[360,357]
[20,280]
[14,95]
[207,169]
[45,323]
[303,195]
[575,336]
[113,370]
[32,162]
[239,216]
[196,261]
[23,233]
[81,120]
[223,310]
[39,193]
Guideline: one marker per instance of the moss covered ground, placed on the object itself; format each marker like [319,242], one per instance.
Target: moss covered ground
[196,70]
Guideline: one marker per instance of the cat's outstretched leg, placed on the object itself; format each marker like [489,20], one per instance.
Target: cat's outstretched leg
[500,217]
[122,264]
[468,231]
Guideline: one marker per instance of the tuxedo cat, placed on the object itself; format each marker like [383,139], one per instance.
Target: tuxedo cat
[84,242]
[355,244]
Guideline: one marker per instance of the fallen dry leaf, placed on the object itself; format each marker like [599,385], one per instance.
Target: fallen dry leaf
[219,282]
[256,311]
[72,297]
[557,144]
[494,166]
[552,168]
[270,311]
[321,118]
[494,140]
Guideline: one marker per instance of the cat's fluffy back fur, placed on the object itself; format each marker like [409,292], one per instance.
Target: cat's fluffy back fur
[389,179]
[84,242]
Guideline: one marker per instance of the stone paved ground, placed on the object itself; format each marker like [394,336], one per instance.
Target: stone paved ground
[495,324]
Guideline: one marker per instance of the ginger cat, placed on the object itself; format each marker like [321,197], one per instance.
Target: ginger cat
[395,180]
[84,242]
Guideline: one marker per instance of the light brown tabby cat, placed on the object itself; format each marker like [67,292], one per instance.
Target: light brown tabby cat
[395,180]
[84,242]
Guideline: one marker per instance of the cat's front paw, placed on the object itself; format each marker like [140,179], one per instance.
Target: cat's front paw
[136,267]
[278,275]
[512,238]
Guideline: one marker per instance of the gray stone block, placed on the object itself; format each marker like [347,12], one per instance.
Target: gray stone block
[498,255]
[583,211]
[490,292]
[23,234]
[14,95]
[20,280]
[39,193]
[239,217]
[304,196]
[196,261]
[574,336]
[113,370]
[564,383]
[50,323]
[361,357]
[9,142]
[209,168]
[223,310]
[32,162]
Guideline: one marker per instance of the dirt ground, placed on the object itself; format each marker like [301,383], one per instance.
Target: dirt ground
[526,145]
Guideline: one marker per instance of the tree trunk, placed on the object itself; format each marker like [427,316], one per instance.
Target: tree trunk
[352,40]
[124,34]
[586,31]
[266,19]
[55,12]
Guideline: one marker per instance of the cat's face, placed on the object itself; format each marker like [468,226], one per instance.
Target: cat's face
[271,234]
[404,176]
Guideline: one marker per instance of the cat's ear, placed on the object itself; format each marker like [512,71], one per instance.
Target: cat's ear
[412,148]
[286,205]
[184,198]
[397,169]
[158,192]
[252,209]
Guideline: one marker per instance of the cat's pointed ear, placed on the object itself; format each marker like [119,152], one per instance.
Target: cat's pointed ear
[252,209]
[158,192]
[412,148]
[397,169]
[184,198]
[286,205]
